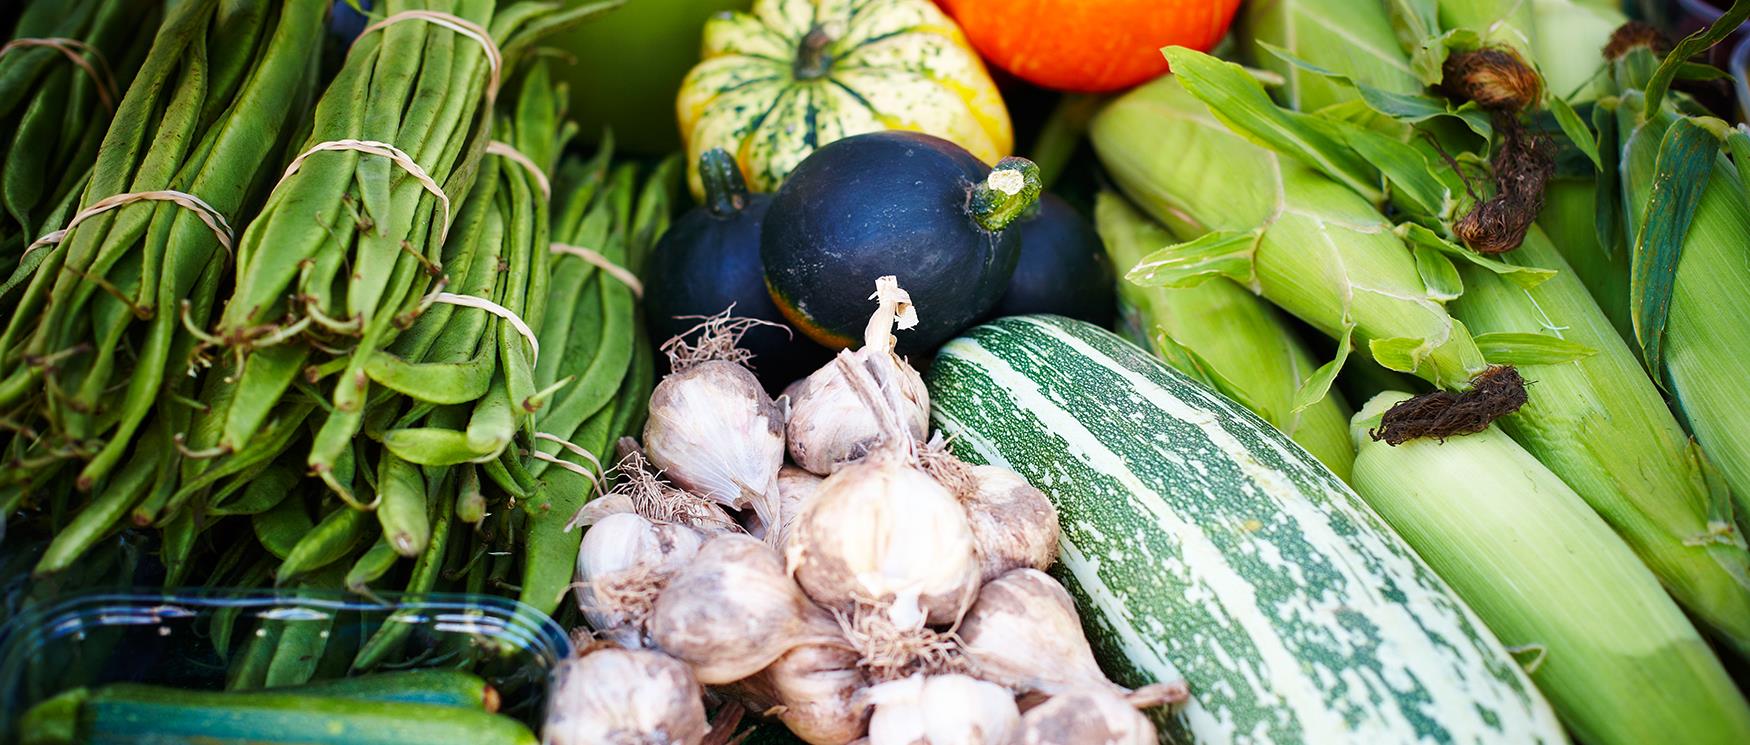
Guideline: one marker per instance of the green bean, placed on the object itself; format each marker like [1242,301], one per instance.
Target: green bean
[266,375]
[387,639]
[280,528]
[259,493]
[470,500]
[224,618]
[177,547]
[329,541]
[106,509]
[492,424]
[436,382]
[299,647]
[262,449]
[371,566]
[403,509]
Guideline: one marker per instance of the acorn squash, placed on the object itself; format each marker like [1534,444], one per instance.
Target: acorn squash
[793,75]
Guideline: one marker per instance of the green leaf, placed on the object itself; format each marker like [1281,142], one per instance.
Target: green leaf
[1428,59]
[1680,176]
[1699,72]
[1240,102]
[1317,385]
[1416,23]
[1409,108]
[1404,169]
[1575,129]
[1517,348]
[1738,144]
[1438,274]
[1188,361]
[1524,276]
[1403,354]
[1222,253]
[1692,45]
[1607,201]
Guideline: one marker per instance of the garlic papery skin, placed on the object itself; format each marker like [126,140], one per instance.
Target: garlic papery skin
[1092,717]
[941,710]
[1023,633]
[813,688]
[713,431]
[795,487]
[623,563]
[830,426]
[624,697]
[883,533]
[732,611]
[1014,525]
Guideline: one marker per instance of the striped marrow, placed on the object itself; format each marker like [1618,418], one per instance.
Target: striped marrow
[1200,542]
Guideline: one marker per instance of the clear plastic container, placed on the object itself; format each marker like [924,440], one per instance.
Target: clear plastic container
[204,640]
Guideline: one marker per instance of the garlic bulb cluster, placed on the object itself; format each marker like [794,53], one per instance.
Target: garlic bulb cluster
[873,589]
[1085,718]
[612,696]
[830,425]
[623,564]
[882,532]
[732,611]
[941,710]
[1013,524]
[1023,633]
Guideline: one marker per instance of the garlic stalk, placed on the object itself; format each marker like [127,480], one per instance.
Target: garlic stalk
[732,611]
[623,563]
[641,491]
[1093,717]
[615,696]
[1013,524]
[941,710]
[712,429]
[1023,633]
[830,427]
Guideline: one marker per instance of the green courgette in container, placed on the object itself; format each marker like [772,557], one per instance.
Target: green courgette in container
[129,712]
[1199,542]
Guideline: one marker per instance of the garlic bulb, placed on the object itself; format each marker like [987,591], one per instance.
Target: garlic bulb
[1013,524]
[1093,717]
[882,532]
[624,697]
[795,487]
[812,689]
[732,611]
[830,427]
[622,565]
[1023,633]
[941,710]
[714,432]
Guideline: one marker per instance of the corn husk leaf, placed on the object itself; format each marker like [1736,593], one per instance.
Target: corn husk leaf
[1552,581]
[1369,54]
[1686,158]
[1517,348]
[1411,107]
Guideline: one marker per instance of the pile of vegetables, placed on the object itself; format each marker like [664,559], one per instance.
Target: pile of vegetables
[1374,373]
[869,584]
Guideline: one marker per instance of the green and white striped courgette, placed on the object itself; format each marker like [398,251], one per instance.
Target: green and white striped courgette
[1201,543]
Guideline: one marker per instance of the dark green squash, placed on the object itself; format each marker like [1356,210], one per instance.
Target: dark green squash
[1063,267]
[894,203]
[708,260]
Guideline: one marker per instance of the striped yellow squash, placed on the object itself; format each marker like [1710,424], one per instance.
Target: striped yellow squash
[793,75]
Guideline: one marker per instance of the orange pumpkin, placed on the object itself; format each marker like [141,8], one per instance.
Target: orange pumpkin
[1088,46]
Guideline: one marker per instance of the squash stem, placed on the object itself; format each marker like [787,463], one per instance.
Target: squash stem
[725,189]
[1012,186]
[811,60]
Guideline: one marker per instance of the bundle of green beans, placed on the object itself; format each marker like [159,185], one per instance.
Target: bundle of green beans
[61,76]
[93,360]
